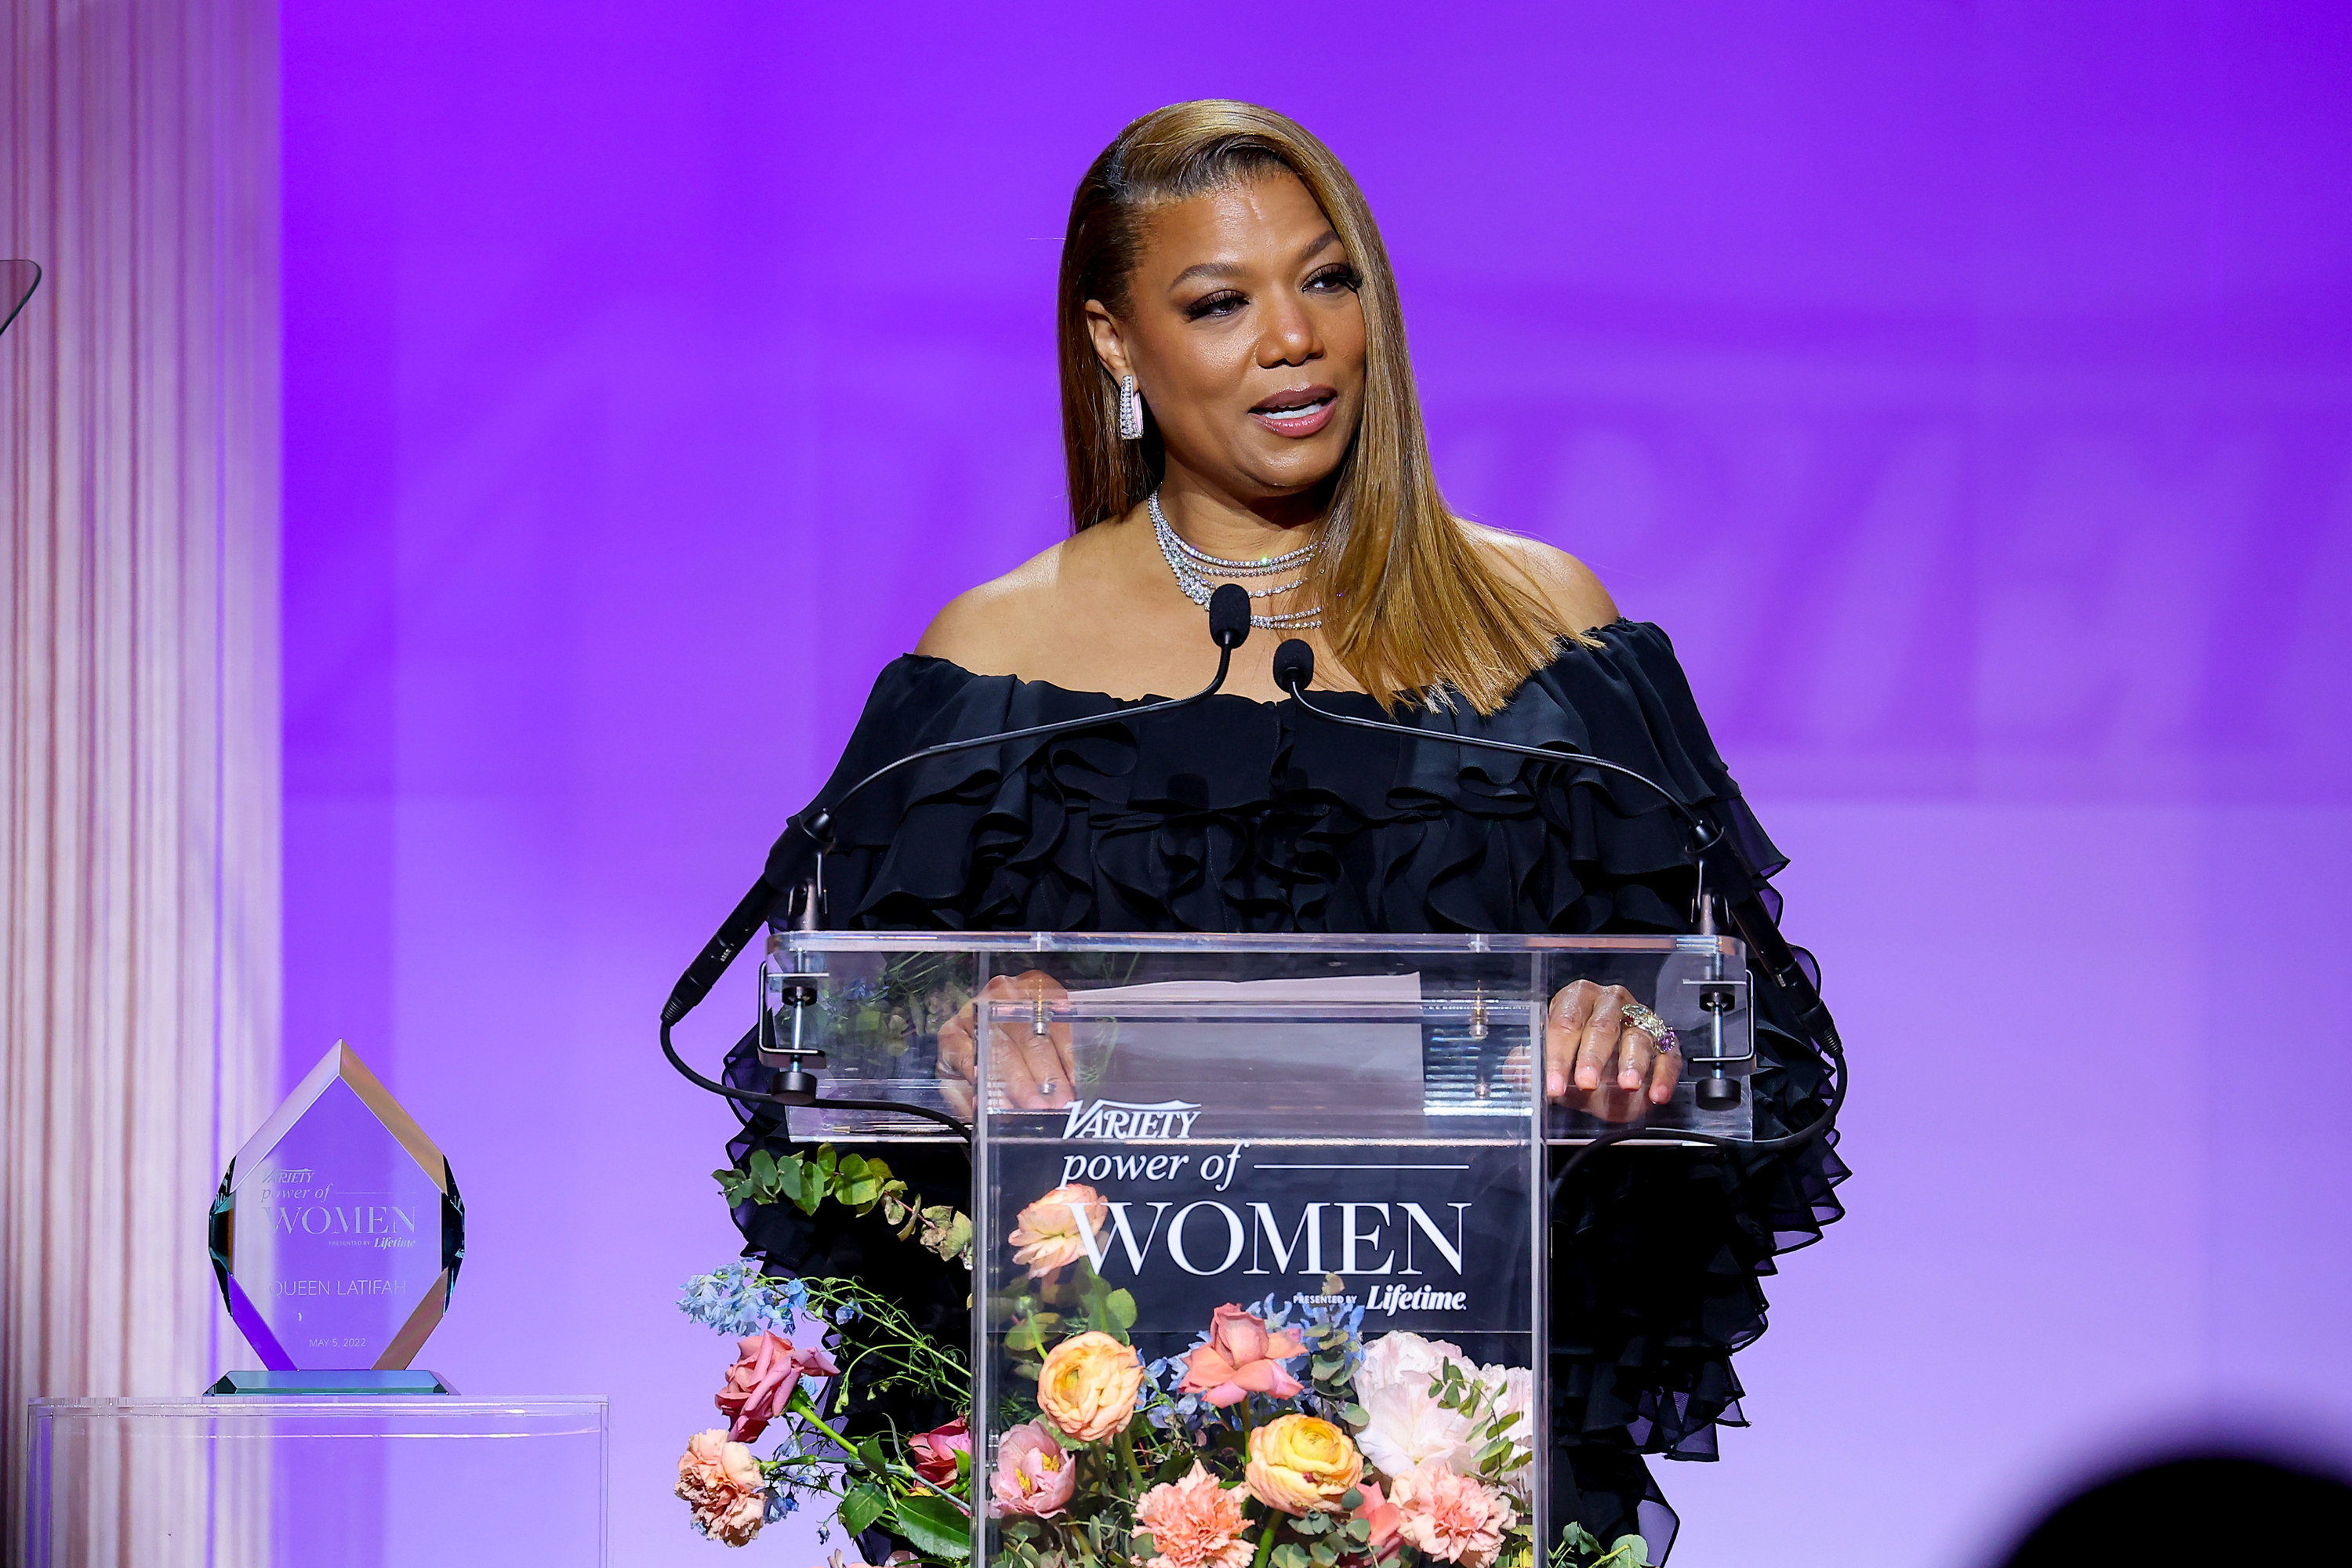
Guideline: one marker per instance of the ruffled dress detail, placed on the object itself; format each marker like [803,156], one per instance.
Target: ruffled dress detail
[1237,816]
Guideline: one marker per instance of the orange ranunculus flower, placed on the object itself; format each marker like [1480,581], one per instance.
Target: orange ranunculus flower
[1088,1384]
[1302,1464]
[1053,1232]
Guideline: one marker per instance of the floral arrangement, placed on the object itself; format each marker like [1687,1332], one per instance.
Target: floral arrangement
[1280,1439]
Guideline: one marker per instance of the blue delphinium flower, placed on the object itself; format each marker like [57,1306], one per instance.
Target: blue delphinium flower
[741,1301]
[1163,1402]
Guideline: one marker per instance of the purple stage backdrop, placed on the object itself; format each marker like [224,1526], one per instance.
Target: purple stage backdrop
[1967,384]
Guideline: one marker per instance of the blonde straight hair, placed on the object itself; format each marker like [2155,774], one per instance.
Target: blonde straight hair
[1413,607]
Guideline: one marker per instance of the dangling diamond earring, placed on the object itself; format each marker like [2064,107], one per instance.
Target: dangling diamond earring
[1131,410]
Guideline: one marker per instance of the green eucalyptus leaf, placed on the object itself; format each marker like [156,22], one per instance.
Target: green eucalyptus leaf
[1120,1305]
[1353,1498]
[1355,1414]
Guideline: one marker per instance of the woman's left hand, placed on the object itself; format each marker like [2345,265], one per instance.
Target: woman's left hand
[1593,1057]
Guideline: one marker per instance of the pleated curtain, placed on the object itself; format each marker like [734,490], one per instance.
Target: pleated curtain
[139,731]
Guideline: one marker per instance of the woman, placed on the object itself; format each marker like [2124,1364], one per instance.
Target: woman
[1238,405]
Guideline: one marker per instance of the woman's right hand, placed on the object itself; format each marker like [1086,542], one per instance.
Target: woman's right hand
[1036,1072]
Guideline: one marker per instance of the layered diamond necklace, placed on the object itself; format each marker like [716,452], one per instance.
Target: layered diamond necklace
[1198,573]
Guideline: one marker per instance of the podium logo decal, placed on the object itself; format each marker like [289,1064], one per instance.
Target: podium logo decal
[1125,1121]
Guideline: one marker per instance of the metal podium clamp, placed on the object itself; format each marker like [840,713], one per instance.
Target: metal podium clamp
[799,991]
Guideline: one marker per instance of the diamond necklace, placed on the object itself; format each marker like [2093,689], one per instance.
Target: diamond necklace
[1192,565]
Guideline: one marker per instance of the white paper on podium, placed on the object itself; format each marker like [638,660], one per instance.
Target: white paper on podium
[1261,1063]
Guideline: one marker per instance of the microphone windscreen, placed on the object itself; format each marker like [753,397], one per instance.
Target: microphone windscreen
[1229,616]
[1293,665]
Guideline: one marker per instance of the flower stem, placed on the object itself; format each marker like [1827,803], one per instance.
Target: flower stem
[1127,1454]
[1265,1543]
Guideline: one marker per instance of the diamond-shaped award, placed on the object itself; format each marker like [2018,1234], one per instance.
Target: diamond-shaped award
[336,1237]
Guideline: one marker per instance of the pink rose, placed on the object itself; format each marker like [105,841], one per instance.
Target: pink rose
[1382,1515]
[720,1481]
[1242,1358]
[1195,1522]
[1032,1474]
[935,1451]
[1453,1518]
[1054,1232]
[760,1383]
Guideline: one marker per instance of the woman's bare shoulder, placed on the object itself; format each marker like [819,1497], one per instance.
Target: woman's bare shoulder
[985,629]
[1559,579]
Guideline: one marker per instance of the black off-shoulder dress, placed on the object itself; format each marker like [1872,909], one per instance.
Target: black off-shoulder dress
[1247,816]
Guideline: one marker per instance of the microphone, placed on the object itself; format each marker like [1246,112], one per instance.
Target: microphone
[1721,867]
[1229,627]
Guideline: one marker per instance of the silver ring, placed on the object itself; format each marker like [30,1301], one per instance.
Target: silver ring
[1046,1087]
[1637,1017]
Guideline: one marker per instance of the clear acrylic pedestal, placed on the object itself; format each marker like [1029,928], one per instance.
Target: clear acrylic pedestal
[245,1482]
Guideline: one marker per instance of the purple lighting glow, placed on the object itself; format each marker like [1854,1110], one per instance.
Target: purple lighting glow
[1967,388]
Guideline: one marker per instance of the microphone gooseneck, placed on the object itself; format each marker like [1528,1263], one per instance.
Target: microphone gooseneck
[1723,872]
[1229,627]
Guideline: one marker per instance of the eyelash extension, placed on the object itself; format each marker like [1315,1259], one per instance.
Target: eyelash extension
[1200,308]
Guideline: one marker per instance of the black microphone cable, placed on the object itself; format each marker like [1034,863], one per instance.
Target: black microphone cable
[1229,627]
[1294,667]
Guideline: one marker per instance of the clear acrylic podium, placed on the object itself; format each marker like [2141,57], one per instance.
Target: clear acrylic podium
[305,1482]
[1325,1131]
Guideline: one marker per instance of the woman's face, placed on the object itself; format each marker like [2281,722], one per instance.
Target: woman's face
[1245,337]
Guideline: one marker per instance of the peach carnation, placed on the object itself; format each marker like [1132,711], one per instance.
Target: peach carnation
[1195,1523]
[1453,1518]
[722,1482]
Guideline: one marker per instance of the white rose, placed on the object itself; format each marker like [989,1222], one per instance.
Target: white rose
[1393,1359]
[1408,1428]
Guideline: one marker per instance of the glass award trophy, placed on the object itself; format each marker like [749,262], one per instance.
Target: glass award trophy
[336,1237]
